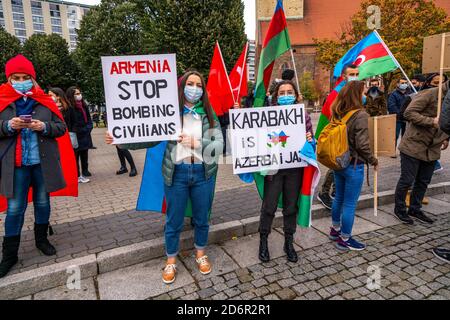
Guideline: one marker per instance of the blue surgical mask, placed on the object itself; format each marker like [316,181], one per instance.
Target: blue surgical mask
[193,93]
[403,86]
[286,100]
[364,100]
[350,79]
[22,86]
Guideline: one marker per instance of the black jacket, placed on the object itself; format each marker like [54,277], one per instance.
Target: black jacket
[444,120]
[48,149]
[83,128]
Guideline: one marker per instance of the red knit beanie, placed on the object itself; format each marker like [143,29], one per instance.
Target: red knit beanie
[19,64]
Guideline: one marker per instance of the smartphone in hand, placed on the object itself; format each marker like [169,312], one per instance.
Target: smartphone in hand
[26,118]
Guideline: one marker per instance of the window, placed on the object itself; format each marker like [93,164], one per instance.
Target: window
[56,21]
[54,10]
[18,17]
[56,29]
[17,6]
[37,19]
[73,38]
[21,33]
[36,4]
[36,8]
[19,25]
[38,27]
[72,31]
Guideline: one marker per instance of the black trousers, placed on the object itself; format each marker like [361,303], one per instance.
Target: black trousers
[288,182]
[125,154]
[82,156]
[415,173]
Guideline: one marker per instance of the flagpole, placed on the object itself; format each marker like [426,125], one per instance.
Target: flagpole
[243,68]
[295,70]
[395,60]
[375,175]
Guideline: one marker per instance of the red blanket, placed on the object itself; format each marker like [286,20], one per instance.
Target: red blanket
[67,156]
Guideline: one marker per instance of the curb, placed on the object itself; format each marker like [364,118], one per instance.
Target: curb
[48,277]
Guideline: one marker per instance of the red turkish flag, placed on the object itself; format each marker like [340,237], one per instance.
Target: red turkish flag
[219,87]
[238,76]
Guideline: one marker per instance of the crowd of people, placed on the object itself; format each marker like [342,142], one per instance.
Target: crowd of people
[30,126]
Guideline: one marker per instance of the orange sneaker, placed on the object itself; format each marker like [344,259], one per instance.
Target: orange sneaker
[203,265]
[169,273]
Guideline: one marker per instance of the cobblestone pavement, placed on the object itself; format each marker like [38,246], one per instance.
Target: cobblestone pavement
[103,216]
[397,264]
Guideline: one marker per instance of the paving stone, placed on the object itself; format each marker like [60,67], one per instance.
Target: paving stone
[85,291]
[139,282]
[206,293]
[287,282]
[232,292]
[245,251]
[205,284]
[259,283]
[219,296]
[220,261]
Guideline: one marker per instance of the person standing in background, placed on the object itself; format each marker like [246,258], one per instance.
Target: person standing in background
[83,127]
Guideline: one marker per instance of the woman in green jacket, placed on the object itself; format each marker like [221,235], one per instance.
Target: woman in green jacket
[189,168]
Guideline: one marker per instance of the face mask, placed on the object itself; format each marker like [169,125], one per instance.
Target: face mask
[79,97]
[350,79]
[286,100]
[193,93]
[364,100]
[403,86]
[54,99]
[22,86]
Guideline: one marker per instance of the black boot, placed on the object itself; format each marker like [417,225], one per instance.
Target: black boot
[10,250]
[289,248]
[122,170]
[129,157]
[42,243]
[264,255]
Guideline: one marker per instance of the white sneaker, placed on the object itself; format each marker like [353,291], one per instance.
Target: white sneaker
[82,179]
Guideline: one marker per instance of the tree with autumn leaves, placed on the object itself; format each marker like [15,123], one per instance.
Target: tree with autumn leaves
[404,25]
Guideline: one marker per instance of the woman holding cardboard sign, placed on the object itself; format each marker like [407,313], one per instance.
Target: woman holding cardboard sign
[189,168]
[286,182]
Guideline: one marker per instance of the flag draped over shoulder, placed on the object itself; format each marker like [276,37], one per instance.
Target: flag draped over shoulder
[275,44]
[151,194]
[219,89]
[311,177]
[238,76]
[67,157]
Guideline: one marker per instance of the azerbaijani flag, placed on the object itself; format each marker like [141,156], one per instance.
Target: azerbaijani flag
[275,44]
[372,56]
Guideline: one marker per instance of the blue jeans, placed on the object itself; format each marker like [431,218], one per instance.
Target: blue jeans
[188,182]
[24,177]
[348,188]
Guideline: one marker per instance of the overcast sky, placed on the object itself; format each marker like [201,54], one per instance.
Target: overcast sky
[249,15]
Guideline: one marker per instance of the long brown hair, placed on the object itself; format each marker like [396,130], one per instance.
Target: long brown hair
[204,98]
[277,88]
[349,98]
[62,97]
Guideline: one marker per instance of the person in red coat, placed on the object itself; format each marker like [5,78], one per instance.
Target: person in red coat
[35,152]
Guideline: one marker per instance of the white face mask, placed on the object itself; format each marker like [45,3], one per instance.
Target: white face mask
[79,97]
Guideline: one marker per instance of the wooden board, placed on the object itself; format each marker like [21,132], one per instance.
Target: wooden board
[386,135]
[432,53]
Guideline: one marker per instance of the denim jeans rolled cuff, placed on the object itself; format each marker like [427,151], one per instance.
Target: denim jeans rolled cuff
[171,255]
[336,224]
[200,247]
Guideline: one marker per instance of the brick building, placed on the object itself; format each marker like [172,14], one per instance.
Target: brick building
[307,20]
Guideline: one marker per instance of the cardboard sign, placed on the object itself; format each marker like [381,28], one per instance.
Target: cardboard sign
[267,139]
[141,95]
[432,53]
[386,135]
